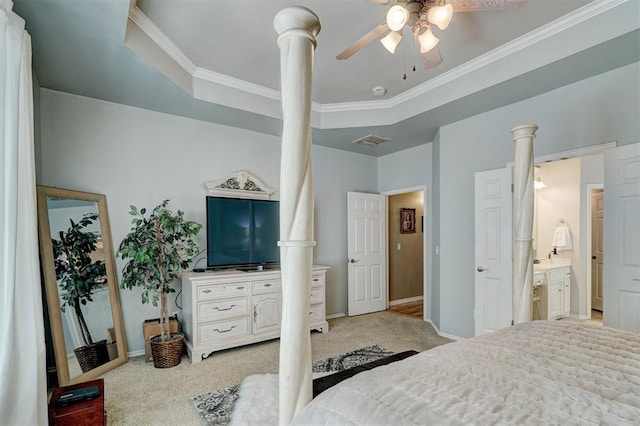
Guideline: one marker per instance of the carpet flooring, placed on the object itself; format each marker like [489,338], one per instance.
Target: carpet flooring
[138,394]
[215,408]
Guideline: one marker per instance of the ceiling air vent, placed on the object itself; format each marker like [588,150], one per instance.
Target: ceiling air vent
[371,140]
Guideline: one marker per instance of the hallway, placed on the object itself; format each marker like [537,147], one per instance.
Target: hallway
[414,309]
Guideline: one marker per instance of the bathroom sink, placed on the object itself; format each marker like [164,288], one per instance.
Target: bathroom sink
[554,262]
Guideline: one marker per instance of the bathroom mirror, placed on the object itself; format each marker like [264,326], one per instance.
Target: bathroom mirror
[80,283]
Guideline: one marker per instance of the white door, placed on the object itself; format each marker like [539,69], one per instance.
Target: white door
[367,230]
[493,235]
[622,238]
[597,248]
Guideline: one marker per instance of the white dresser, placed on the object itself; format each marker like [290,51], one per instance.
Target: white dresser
[226,309]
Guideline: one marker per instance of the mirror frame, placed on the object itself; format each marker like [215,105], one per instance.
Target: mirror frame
[51,284]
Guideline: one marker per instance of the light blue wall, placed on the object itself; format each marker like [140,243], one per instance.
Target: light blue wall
[141,157]
[335,173]
[590,112]
[405,169]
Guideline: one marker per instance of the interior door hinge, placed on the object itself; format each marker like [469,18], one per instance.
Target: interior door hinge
[512,323]
[511,187]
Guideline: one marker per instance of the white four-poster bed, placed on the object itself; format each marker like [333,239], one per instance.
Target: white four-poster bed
[533,373]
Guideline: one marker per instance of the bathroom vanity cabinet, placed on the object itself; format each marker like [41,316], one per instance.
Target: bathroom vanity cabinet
[553,283]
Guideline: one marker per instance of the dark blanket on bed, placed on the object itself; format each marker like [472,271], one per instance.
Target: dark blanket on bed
[321,384]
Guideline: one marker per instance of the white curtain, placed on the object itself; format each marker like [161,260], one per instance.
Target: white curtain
[23,388]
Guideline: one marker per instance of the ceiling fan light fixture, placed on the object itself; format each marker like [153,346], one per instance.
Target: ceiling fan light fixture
[425,38]
[440,16]
[391,40]
[397,17]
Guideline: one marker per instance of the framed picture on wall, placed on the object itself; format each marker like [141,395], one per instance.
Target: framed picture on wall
[407,221]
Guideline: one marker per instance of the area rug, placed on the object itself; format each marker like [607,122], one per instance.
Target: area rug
[215,408]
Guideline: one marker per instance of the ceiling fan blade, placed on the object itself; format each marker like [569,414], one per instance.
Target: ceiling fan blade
[432,58]
[363,41]
[474,5]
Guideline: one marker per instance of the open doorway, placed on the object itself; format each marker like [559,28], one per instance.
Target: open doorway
[569,197]
[406,266]
[597,251]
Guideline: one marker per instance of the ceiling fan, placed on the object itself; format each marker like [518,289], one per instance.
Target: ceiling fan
[419,16]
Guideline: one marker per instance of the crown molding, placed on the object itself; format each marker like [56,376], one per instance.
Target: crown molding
[215,87]
[137,17]
[236,83]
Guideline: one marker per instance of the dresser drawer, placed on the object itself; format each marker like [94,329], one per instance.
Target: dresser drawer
[213,309]
[316,313]
[265,286]
[317,295]
[317,280]
[223,290]
[221,330]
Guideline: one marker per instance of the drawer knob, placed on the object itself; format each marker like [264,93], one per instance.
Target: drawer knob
[207,291]
[267,285]
[240,288]
[223,309]
[217,330]
[315,280]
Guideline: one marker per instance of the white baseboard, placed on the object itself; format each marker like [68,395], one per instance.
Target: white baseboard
[440,333]
[135,353]
[407,300]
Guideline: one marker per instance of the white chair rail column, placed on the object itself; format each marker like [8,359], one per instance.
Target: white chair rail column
[523,136]
[297,28]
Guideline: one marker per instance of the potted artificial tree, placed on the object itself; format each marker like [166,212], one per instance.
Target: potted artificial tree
[158,247]
[78,276]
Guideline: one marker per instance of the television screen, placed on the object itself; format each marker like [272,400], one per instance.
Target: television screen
[242,232]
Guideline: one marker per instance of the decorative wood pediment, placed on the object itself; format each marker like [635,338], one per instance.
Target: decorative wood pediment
[240,184]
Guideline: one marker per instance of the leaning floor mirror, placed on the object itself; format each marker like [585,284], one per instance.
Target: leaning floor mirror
[80,284]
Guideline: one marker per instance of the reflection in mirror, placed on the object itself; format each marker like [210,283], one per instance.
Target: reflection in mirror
[82,294]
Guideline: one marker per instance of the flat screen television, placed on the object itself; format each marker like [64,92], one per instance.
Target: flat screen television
[242,232]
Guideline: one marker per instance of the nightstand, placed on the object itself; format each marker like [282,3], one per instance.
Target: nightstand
[85,413]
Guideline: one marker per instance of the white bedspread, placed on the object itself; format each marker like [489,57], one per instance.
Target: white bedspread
[542,372]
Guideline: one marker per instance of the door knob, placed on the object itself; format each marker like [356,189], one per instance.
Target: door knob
[481,269]
[353,260]
[594,257]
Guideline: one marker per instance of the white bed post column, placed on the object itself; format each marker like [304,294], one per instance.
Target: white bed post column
[523,137]
[297,28]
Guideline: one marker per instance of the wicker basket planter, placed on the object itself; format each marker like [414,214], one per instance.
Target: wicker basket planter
[92,356]
[169,353]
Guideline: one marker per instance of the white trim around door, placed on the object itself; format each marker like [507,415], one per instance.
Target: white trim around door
[588,252]
[426,238]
